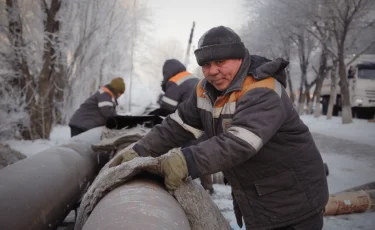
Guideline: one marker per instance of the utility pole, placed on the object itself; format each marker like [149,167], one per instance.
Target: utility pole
[187,56]
[132,54]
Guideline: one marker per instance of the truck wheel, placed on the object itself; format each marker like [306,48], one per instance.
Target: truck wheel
[326,169]
[365,113]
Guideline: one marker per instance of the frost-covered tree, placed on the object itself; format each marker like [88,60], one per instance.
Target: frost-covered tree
[101,43]
[150,64]
[55,53]
[31,49]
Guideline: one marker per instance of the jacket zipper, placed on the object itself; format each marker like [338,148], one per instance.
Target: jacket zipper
[212,112]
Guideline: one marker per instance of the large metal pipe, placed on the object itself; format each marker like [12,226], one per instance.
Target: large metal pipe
[139,204]
[39,191]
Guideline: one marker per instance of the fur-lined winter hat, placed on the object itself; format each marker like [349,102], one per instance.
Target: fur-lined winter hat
[219,43]
[118,85]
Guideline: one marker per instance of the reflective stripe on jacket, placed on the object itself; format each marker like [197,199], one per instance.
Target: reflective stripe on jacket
[178,89]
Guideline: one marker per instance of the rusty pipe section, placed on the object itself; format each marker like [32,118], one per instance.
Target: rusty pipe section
[39,191]
[350,202]
[139,204]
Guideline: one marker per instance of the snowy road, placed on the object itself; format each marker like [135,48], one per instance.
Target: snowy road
[351,164]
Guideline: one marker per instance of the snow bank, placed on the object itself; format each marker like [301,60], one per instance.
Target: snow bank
[59,135]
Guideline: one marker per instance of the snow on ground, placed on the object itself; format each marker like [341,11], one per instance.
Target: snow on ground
[223,199]
[346,172]
[347,149]
[59,135]
[360,130]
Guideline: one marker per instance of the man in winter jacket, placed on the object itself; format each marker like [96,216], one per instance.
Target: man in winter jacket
[255,137]
[177,85]
[95,111]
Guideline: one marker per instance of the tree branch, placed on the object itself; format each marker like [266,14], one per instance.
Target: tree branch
[359,53]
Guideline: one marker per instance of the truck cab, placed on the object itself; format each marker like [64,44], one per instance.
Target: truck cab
[361,80]
[362,90]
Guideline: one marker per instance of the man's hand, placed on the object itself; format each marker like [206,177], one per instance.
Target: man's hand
[124,155]
[173,167]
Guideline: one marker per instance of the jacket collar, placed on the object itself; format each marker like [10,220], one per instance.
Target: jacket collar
[258,67]
[111,92]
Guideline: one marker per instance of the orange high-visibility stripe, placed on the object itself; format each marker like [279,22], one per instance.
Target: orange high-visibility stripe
[265,83]
[105,89]
[179,76]
[200,90]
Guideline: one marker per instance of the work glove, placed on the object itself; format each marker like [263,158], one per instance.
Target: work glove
[124,155]
[172,166]
[237,212]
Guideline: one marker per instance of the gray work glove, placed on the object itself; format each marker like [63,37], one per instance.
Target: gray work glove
[172,166]
[124,155]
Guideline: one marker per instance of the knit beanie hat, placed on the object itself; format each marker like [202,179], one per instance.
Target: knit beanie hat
[219,43]
[118,85]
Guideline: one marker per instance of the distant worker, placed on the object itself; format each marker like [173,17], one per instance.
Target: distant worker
[95,111]
[178,85]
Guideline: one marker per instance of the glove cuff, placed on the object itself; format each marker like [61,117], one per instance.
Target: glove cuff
[140,150]
[190,162]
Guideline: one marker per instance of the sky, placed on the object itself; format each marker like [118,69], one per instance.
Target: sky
[173,19]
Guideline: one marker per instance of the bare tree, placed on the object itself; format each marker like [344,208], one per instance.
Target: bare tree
[323,36]
[344,15]
[334,23]
[305,46]
[332,97]
[281,33]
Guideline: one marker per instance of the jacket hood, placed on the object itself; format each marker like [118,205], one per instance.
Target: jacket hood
[172,67]
[262,68]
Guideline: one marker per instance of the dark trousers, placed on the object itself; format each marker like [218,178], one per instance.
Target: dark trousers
[314,222]
[74,131]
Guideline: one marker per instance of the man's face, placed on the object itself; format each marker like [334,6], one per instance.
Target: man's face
[221,73]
